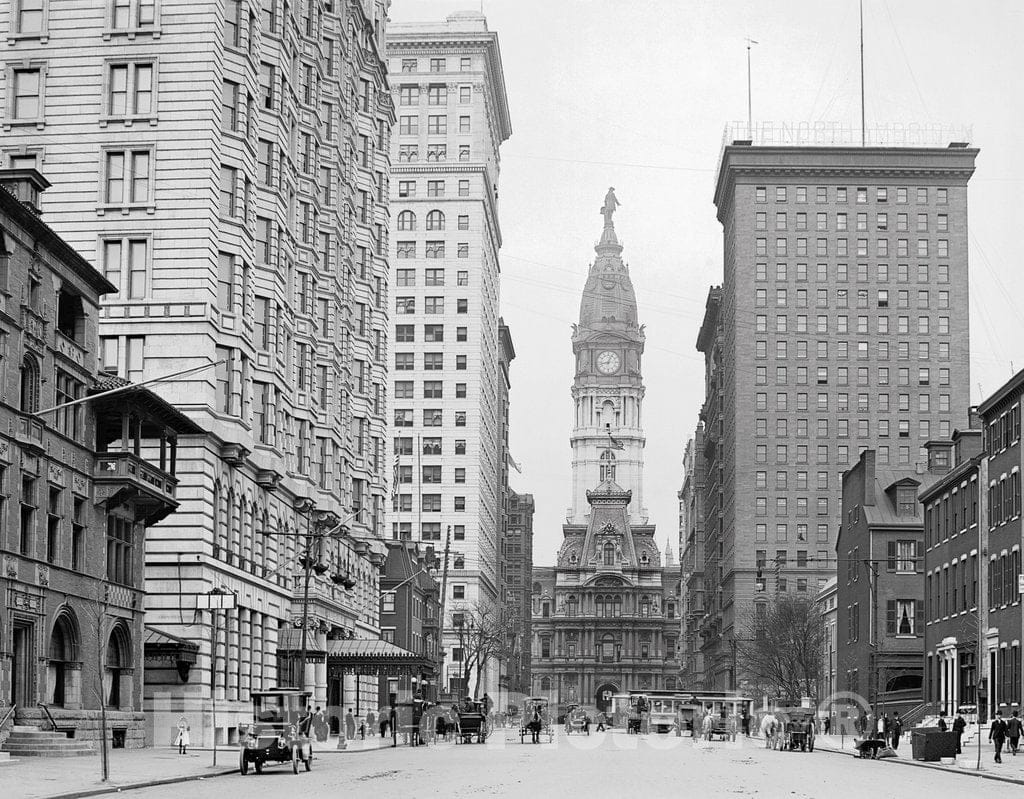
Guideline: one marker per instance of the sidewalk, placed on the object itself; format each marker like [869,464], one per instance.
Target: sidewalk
[1010,770]
[43,778]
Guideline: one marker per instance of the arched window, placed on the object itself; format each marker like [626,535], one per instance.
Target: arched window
[571,606]
[545,683]
[670,683]
[118,658]
[29,384]
[599,605]
[609,553]
[618,606]
[407,220]
[645,606]
[62,653]
[607,466]
[536,588]
[435,220]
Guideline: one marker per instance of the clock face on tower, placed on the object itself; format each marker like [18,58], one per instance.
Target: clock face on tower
[608,362]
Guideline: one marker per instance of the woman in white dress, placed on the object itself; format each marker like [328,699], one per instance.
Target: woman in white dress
[182,740]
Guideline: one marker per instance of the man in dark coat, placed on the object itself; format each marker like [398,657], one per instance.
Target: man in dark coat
[896,730]
[959,724]
[997,735]
[1013,730]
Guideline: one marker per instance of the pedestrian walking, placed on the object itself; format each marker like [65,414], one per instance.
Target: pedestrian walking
[880,726]
[959,725]
[600,721]
[371,723]
[350,725]
[1013,730]
[828,725]
[942,721]
[183,739]
[896,730]
[997,735]
[383,725]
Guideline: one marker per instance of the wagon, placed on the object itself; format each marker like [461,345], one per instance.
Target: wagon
[798,731]
[577,721]
[536,719]
[279,732]
[472,722]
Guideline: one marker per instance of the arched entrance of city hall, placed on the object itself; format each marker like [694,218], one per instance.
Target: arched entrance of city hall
[603,696]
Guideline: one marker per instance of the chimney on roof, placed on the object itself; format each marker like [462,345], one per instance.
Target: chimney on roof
[26,185]
[867,457]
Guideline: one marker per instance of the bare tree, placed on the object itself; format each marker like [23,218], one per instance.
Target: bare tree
[779,651]
[484,636]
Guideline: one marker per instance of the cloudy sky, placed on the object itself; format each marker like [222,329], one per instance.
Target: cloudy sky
[635,94]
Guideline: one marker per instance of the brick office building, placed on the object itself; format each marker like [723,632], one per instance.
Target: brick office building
[841,324]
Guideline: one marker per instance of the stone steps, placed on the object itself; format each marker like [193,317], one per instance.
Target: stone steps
[25,741]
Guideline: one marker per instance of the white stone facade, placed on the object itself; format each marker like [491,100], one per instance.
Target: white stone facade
[452,116]
[226,165]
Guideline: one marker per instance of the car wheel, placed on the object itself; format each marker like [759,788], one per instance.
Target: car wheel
[295,759]
[243,765]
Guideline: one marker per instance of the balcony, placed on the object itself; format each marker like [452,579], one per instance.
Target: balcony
[123,477]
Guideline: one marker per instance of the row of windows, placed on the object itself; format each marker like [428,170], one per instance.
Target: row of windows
[953,514]
[406,334]
[841,272]
[862,404]
[432,389]
[923,249]
[410,65]
[840,428]
[437,94]
[432,361]
[429,531]
[782,480]
[30,16]
[841,350]
[432,417]
[432,276]
[431,445]
[429,503]
[1003,576]
[953,588]
[782,506]
[435,250]
[860,193]
[431,305]
[1003,431]
[842,298]
[802,530]
[435,220]
[1004,499]
[842,373]
[861,325]
[842,453]
[437,124]
[821,221]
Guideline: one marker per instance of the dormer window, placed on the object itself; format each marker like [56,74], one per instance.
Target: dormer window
[906,500]
[609,553]
[71,316]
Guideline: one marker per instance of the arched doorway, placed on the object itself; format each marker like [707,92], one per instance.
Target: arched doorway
[118,660]
[603,696]
[61,654]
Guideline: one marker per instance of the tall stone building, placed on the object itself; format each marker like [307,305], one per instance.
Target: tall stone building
[452,110]
[691,562]
[225,166]
[79,486]
[604,616]
[841,324]
[519,568]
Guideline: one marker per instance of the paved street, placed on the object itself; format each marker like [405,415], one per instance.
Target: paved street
[601,766]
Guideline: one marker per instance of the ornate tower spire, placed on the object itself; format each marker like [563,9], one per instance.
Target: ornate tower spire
[608,342]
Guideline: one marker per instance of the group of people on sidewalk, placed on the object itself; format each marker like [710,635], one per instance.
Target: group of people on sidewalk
[1002,731]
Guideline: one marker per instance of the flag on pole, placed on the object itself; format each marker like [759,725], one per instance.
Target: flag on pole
[394,480]
[512,463]
[614,442]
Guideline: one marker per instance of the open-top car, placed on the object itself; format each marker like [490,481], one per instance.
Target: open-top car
[536,720]
[797,728]
[279,732]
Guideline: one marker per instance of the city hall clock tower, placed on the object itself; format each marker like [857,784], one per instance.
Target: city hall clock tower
[608,438]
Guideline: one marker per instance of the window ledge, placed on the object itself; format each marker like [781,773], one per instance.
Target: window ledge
[103,208]
[39,123]
[131,33]
[42,36]
[128,120]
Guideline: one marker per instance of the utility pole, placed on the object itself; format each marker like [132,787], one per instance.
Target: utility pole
[440,610]
[863,135]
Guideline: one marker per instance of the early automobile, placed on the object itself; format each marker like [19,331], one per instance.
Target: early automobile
[279,731]
[577,720]
[797,726]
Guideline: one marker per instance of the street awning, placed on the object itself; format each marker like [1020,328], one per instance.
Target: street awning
[374,658]
[161,645]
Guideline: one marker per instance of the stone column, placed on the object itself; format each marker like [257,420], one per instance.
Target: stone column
[247,654]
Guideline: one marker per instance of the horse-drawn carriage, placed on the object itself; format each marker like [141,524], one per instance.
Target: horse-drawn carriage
[472,722]
[536,720]
[795,729]
[279,732]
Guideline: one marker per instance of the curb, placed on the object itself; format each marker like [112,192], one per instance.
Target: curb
[132,786]
[945,769]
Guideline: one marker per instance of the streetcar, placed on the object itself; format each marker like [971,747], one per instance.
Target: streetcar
[682,711]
